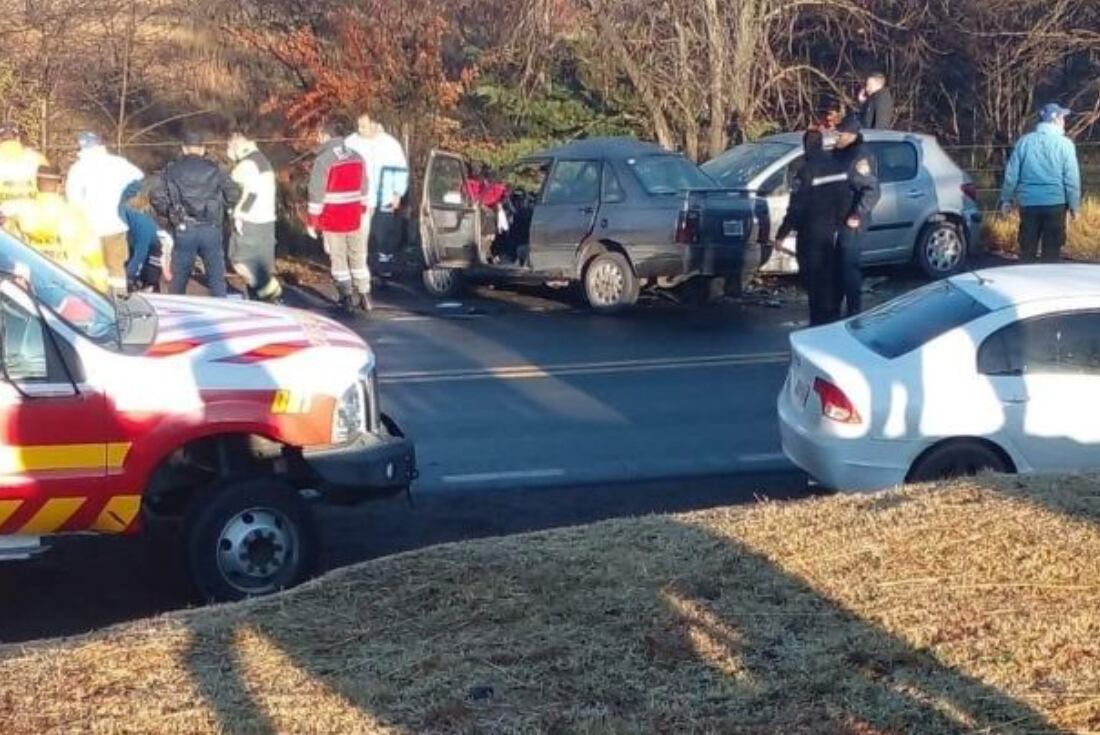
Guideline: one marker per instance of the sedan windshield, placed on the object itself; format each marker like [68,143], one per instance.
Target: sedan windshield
[910,321]
[738,166]
[668,174]
[73,300]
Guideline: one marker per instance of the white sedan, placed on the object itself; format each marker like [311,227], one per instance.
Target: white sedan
[992,370]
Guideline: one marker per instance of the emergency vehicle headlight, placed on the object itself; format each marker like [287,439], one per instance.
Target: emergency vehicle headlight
[349,419]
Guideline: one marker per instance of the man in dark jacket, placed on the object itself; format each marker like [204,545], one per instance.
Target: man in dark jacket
[857,163]
[193,195]
[819,205]
[877,111]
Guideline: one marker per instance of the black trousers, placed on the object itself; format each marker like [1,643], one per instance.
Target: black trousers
[385,243]
[817,269]
[1046,225]
[849,274]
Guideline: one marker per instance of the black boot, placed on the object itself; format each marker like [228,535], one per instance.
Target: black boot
[347,298]
[364,303]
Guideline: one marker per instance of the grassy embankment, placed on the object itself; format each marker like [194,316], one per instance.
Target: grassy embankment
[969,607]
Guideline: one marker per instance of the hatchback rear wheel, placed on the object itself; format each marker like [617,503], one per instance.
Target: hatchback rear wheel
[941,250]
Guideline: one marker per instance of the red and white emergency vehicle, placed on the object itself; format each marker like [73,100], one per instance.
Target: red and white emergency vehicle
[207,424]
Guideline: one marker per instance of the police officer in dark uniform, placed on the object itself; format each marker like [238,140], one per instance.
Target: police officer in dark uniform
[819,206]
[858,163]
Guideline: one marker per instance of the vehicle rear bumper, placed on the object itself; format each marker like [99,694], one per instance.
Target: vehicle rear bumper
[374,465]
[972,223]
[720,260]
[836,463]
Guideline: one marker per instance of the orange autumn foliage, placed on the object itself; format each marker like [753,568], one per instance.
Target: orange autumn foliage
[381,56]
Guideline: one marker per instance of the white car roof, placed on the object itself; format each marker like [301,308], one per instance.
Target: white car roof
[999,288]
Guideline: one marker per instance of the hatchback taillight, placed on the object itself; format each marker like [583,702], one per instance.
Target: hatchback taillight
[834,404]
[687,226]
[970,190]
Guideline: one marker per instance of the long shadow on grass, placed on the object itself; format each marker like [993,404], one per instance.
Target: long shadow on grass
[643,626]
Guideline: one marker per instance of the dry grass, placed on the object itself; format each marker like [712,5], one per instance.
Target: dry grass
[1082,239]
[967,608]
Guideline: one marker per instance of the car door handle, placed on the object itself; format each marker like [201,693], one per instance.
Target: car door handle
[915,194]
[603,223]
[588,210]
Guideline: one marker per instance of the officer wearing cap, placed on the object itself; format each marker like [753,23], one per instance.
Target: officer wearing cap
[1044,178]
[193,195]
[858,164]
[819,205]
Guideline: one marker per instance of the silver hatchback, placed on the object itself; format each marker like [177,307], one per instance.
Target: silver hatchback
[928,213]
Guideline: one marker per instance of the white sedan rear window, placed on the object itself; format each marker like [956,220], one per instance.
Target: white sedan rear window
[910,321]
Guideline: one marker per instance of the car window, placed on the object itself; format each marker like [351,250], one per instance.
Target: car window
[447,182]
[897,161]
[741,164]
[574,182]
[668,174]
[612,187]
[903,324]
[1059,344]
[527,176]
[779,183]
[74,301]
[24,347]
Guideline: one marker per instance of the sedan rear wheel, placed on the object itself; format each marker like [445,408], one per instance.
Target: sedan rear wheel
[609,283]
[964,458]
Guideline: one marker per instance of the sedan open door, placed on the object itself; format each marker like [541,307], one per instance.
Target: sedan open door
[450,225]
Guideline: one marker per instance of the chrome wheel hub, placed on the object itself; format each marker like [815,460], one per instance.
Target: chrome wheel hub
[606,284]
[257,550]
[944,250]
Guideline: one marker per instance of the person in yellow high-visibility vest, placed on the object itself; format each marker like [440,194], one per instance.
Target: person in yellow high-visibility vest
[18,166]
[57,229]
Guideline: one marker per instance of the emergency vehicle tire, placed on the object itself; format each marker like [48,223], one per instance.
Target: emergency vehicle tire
[442,283]
[248,538]
[610,284]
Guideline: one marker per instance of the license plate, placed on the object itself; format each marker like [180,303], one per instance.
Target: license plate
[733,228]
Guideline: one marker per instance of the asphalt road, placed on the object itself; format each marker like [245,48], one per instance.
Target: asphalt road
[528,412]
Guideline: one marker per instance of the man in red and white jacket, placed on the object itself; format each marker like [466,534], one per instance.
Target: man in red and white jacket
[337,201]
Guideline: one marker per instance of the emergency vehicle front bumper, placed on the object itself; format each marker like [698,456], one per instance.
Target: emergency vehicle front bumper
[374,465]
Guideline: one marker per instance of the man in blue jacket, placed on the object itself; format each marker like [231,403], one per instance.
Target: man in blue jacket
[1044,178]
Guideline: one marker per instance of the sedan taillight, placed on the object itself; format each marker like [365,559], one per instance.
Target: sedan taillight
[970,190]
[835,405]
[687,226]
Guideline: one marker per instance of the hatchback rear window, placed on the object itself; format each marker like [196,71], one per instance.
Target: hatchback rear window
[669,174]
[910,321]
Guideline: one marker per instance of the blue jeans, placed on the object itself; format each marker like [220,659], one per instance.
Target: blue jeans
[849,275]
[202,241]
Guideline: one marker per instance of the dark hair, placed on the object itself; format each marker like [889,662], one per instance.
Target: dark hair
[335,127]
[194,139]
[813,141]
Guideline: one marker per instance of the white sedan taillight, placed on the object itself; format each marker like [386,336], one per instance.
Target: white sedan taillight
[835,405]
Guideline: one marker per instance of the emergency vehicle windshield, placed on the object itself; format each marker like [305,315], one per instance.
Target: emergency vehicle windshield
[73,300]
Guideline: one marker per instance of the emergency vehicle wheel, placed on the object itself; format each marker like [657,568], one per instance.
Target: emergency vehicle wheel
[249,538]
